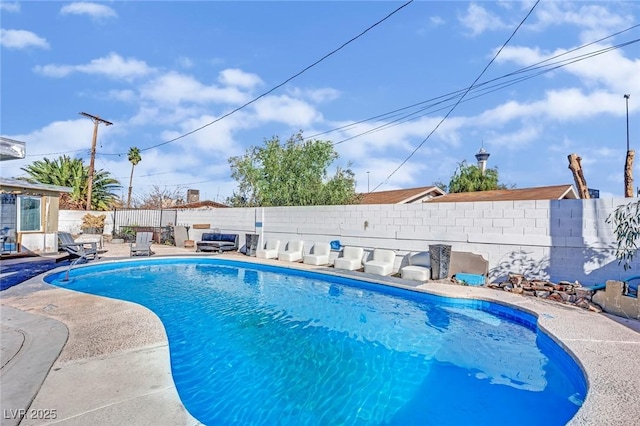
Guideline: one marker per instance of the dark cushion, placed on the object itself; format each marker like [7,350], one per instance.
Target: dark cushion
[210,236]
[217,241]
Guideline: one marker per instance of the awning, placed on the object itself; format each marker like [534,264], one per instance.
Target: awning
[11,149]
[17,186]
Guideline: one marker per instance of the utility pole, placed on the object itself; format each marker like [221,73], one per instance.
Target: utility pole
[96,121]
[368,183]
[628,165]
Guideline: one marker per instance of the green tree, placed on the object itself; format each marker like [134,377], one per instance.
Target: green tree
[66,171]
[469,178]
[626,221]
[134,157]
[290,174]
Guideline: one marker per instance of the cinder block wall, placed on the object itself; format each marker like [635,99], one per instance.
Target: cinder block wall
[557,240]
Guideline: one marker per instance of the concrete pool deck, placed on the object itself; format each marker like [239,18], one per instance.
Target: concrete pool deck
[82,359]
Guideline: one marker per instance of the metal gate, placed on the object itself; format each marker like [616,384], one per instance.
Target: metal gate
[128,222]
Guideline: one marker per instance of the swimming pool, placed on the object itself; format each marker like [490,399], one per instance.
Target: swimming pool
[254,344]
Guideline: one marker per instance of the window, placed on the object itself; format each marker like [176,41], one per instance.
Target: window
[29,212]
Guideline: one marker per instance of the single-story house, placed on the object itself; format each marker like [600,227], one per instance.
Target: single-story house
[402,196]
[555,192]
[206,204]
[29,216]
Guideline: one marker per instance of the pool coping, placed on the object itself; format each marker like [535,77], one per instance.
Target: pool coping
[606,351]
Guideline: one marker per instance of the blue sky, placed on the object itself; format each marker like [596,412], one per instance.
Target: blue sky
[159,70]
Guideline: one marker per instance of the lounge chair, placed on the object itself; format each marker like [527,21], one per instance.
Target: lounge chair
[419,267]
[270,250]
[83,250]
[381,263]
[293,252]
[142,246]
[351,259]
[320,255]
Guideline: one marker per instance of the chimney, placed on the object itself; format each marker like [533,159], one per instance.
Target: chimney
[193,195]
[482,156]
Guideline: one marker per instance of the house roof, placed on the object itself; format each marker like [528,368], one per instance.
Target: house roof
[556,192]
[401,196]
[17,186]
[200,204]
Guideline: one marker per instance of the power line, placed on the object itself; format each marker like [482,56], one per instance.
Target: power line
[452,95]
[396,112]
[58,153]
[461,97]
[284,82]
[485,91]
[521,70]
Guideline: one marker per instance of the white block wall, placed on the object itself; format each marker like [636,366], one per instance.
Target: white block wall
[556,240]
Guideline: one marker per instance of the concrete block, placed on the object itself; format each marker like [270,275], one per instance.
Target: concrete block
[513,214]
[485,205]
[400,221]
[474,214]
[483,223]
[492,214]
[446,221]
[536,213]
[502,223]
[415,221]
[524,205]
[464,222]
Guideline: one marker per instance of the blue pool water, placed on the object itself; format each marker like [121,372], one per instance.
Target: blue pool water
[258,345]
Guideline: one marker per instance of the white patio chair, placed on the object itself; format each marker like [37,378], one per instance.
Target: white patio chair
[293,252]
[319,255]
[351,259]
[419,268]
[270,250]
[382,262]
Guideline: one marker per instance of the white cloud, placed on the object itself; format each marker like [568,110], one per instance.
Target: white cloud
[95,10]
[21,39]
[317,96]
[380,168]
[611,70]
[215,140]
[122,95]
[174,88]
[558,105]
[597,21]
[478,20]
[284,109]
[71,137]
[113,66]
[436,21]
[10,7]
[238,78]
[517,139]
[185,62]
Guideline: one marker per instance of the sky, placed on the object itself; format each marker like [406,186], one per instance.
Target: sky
[192,84]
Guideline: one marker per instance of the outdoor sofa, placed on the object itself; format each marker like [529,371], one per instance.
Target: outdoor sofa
[215,241]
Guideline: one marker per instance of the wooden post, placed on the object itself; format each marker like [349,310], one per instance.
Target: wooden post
[96,121]
[576,168]
[628,174]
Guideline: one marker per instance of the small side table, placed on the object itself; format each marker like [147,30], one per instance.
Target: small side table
[91,238]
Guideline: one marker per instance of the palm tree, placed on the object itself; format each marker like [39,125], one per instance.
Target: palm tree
[66,171]
[134,157]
